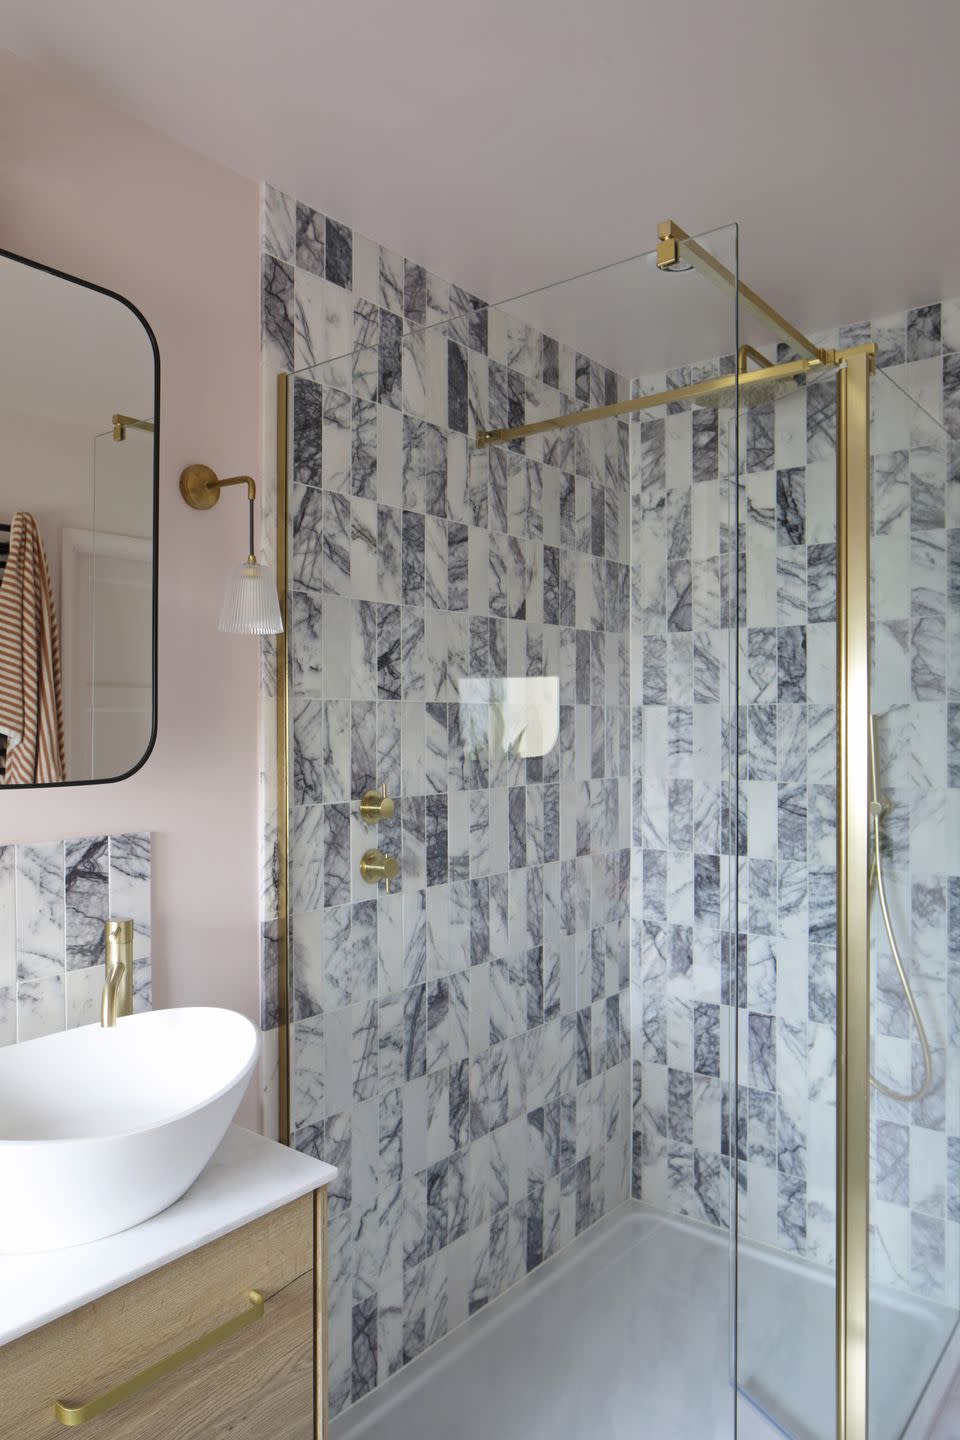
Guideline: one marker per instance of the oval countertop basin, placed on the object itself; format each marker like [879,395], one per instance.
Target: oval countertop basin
[102,1128]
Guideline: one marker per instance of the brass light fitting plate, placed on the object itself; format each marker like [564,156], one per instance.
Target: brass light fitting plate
[200,487]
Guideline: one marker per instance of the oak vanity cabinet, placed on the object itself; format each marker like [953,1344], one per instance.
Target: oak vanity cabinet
[226,1341]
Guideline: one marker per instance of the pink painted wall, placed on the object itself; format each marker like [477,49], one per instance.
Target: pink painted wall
[88,190]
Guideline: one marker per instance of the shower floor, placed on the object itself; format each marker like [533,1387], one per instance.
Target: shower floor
[626,1335]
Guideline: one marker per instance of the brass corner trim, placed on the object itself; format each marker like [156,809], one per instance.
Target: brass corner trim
[853,895]
[284,988]
[321,1315]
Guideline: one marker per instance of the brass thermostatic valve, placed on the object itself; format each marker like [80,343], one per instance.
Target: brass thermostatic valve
[375,866]
[376,805]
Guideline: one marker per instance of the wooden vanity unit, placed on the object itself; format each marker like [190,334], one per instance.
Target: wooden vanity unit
[226,1340]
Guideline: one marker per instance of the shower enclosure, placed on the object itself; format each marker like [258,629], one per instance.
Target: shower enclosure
[657,664]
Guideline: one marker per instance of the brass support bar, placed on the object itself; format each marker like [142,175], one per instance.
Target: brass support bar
[123,423]
[283,772]
[853,907]
[749,352]
[675,246]
[649,402]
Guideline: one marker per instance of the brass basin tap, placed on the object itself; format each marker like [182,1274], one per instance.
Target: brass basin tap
[117,996]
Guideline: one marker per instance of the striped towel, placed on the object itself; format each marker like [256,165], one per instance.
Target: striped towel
[4,553]
[31,703]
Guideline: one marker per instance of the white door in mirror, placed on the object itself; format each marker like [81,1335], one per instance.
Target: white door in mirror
[100,1129]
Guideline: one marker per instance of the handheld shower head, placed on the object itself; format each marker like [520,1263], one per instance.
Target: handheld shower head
[879,807]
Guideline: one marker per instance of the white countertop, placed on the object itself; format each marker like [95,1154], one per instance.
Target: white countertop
[247,1177]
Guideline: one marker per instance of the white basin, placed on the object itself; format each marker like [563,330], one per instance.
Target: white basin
[101,1128]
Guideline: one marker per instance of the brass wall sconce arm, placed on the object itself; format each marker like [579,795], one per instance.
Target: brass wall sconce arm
[250,605]
[200,487]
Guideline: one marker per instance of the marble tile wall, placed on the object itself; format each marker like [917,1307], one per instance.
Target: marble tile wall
[54,900]
[916,690]
[475,1134]
[782,995]
[461,1046]
[683,630]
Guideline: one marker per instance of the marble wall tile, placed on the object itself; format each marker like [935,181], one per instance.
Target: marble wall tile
[419,565]
[502,989]
[54,901]
[86,900]
[787,794]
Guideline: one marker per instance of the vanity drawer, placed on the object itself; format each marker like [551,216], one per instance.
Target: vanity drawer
[255,1381]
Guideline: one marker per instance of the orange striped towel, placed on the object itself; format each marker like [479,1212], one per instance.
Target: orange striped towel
[31,701]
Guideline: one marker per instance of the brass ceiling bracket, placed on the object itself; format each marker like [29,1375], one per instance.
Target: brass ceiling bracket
[668,246]
[869,349]
[673,241]
[675,246]
[745,354]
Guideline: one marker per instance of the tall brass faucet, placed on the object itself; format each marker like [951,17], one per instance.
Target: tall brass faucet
[118,986]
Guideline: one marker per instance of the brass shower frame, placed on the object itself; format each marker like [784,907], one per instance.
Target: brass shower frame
[855,368]
[120,424]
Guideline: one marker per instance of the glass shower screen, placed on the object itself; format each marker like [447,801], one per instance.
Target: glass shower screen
[512,550]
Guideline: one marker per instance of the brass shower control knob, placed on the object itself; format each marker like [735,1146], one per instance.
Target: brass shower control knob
[375,866]
[376,805]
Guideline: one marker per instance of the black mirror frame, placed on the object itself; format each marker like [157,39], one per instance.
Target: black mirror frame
[154,628]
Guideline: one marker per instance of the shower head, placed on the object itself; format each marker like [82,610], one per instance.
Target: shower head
[757,389]
[758,392]
[879,804]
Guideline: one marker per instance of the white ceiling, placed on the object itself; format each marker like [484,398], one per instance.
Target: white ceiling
[511,143]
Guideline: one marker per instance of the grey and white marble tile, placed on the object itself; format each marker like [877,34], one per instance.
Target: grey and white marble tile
[532,563]
[86,900]
[41,941]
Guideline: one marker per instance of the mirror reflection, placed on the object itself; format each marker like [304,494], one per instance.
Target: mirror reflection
[78,437]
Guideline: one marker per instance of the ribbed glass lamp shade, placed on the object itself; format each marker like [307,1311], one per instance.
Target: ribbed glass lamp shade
[250,604]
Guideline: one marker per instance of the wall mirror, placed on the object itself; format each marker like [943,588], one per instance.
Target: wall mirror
[79,432]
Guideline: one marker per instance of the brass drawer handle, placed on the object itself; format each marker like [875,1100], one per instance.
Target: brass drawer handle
[80,1414]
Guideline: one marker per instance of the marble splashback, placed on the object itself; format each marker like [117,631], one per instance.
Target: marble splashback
[54,899]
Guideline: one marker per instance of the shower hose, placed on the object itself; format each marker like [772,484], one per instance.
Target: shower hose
[878,810]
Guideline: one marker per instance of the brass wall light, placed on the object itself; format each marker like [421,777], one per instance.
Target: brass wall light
[250,604]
